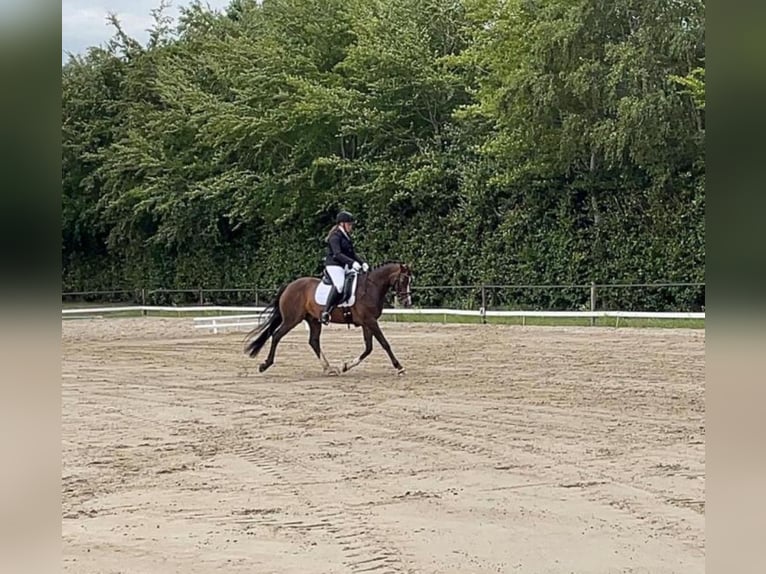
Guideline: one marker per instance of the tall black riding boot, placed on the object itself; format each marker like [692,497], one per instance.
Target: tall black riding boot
[332,299]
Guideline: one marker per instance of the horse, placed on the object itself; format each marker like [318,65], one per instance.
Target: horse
[295,303]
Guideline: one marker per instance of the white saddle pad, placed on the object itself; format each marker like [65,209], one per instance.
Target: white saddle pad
[323,291]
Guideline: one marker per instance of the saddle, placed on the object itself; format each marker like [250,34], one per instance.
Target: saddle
[348,284]
[348,297]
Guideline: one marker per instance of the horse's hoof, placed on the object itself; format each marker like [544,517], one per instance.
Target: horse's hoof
[344,368]
[332,371]
[401,371]
[262,367]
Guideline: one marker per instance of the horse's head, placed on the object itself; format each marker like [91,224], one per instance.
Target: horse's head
[401,281]
[396,276]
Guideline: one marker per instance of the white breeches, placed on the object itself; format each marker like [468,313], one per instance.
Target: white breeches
[337,275]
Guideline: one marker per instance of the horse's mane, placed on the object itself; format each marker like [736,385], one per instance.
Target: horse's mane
[379,265]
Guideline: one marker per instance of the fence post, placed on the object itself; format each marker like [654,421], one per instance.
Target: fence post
[592,301]
[201,296]
[483,305]
[143,301]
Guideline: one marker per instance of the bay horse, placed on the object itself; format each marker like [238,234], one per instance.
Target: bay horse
[295,303]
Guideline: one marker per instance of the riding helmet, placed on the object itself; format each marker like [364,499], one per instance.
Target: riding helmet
[344,217]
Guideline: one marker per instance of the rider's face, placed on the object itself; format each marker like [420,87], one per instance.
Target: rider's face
[347,225]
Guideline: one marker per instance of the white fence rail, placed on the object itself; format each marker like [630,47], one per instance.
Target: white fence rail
[251,316]
[228,321]
[156,308]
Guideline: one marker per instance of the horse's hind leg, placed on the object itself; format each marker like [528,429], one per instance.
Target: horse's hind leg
[315,329]
[287,325]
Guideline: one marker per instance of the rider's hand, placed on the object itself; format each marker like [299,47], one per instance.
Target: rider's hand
[365,267]
[355,266]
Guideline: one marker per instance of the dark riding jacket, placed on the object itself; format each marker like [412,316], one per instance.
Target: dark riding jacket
[340,250]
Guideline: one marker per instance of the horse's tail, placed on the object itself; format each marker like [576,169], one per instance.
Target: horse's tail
[267,328]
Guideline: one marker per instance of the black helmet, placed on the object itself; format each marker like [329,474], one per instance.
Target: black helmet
[344,217]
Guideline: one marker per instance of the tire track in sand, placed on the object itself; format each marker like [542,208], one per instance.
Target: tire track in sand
[364,547]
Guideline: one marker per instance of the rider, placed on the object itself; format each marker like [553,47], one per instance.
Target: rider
[340,258]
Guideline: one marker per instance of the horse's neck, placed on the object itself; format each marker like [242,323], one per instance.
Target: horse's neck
[382,276]
[381,279]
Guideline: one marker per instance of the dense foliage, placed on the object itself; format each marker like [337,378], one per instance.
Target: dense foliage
[483,141]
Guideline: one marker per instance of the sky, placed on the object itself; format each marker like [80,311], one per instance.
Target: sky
[84,24]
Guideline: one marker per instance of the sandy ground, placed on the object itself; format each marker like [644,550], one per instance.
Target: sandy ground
[503,449]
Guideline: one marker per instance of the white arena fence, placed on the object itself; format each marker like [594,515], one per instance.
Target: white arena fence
[250,317]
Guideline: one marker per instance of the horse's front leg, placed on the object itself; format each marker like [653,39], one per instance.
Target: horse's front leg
[367,350]
[375,328]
